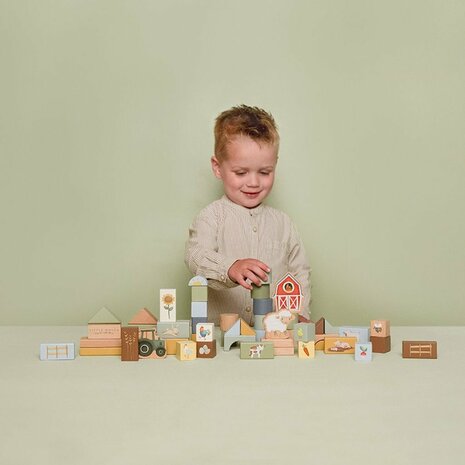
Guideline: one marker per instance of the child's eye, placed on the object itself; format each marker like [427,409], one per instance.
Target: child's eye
[240,173]
[265,173]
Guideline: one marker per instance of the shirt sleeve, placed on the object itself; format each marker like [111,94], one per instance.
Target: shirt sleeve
[300,269]
[201,253]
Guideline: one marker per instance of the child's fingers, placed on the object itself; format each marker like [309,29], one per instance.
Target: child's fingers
[242,282]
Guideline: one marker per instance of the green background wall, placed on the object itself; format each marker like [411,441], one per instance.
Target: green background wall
[106,115]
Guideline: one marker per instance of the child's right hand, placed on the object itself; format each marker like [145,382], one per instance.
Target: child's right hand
[248,268]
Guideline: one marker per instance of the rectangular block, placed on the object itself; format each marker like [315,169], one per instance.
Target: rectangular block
[180,329]
[258,322]
[129,344]
[380,328]
[304,332]
[168,305]
[340,345]
[228,341]
[57,351]
[206,349]
[99,351]
[152,349]
[419,349]
[170,345]
[261,292]
[199,294]
[199,309]
[362,333]
[195,321]
[306,349]
[204,332]
[363,352]
[320,340]
[257,350]
[186,350]
[262,306]
[86,342]
[259,334]
[381,345]
[280,351]
[104,331]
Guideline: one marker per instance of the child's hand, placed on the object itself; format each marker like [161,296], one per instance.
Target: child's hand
[248,268]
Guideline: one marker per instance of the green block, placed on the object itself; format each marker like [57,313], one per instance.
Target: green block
[257,350]
[258,322]
[261,292]
[199,294]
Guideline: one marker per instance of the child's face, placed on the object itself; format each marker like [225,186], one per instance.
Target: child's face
[247,172]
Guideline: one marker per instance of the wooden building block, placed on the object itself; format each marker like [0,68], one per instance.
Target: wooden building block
[380,328]
[381,345]
[282,346]
[259,334]
[261,292]
[104,331]
[279,351]
[198,281]
[143,317]
[363,352]
[246,330]
[57,351]
[262,306]
[320,340]
[195,321]
[362,333]
[288,294]
[228,341]
[86,342]
[206,349]
[234,330]
[419,349]
[170,345]
[258,322]
[168,305]
[199,294]
[199,309]
[204,332]
[340,345]
[153,349]
[99,351]
[129,344]
[227,320]
[306,349]
[276,324]
[104,316]
[304,332]
[257,350]
[186,350]
[180,329]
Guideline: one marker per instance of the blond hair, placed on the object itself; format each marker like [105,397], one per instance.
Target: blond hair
[243,120]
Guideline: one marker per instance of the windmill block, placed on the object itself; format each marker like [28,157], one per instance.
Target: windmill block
[199,309]
[206,349]
[304,332]
[168,305]
[180,329]
[230,340]
[186,350]
[257,350]
[196,320]
[380,328]
[234,330]
[419,349]
[199,293]
[245,329]
[340,345]
[363,352]
[170,345]
[262,306]
[362,333]
[129,344]
[306,349]
[57,351]
[260,292]
[381,345]
[204,332]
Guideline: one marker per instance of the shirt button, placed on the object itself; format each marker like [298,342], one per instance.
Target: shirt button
[247,309]
[223,278]
[254,229]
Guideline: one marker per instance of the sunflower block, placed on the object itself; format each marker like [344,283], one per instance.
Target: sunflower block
[168,305]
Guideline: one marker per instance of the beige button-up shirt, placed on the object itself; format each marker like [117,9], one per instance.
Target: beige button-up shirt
[224,232]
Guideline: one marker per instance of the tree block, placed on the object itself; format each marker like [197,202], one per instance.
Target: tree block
[419,349]
[206,349]
[381,345]
[129,344]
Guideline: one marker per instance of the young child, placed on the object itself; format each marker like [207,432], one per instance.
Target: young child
[237,240]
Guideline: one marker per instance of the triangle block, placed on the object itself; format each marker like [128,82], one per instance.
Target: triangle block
[104,316]
[246,330]
[144,317]
[234,330]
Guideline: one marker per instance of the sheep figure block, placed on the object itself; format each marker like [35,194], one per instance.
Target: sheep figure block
[275,324]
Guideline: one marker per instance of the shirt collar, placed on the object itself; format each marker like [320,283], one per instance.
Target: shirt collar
[239,208]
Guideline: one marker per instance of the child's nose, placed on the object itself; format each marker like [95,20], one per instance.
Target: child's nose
[252,180]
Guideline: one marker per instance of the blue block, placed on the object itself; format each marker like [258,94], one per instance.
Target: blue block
[262,306]
[199,309]
[198,320]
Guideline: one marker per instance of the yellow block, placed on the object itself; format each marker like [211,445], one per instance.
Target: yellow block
[246,330]
[340,345]
[170,345]
[100,351]
[307,349]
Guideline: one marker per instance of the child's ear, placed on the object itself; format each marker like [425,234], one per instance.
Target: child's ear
[216,167]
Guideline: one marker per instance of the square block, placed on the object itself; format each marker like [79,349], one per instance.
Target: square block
[258,322]
[170,345]
[57,351]
[180,329]
[262,306]
[304,332]
[380,328]
[257,350]
[363,352]
[419,349]
[362,333]
[206,349]
[381,345]
[196,320]
[186,350]
[340,345]
[204,332]
[306,349]
[261,292]
[199,309]
[199,293]
[259,334]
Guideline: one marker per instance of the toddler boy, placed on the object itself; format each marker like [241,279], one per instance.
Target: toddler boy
[237,240]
